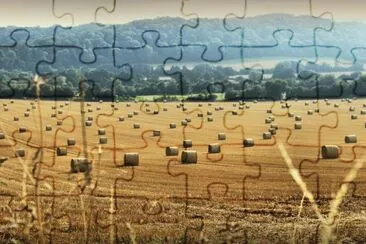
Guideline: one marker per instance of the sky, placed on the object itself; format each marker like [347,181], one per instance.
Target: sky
[39,12]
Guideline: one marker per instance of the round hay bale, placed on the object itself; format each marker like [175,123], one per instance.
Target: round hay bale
[200,105]
[148,110]
[283,106]
[16,118]
[34,107]
[290,115]
[121,118]
[209,104]
[350,139]
[165,109]
[48,128]
[273,131]
[274,126]
[80,165]
[5,105]
[336,105]
[221,108]
[247,106]
[248,142]
[11,101]
[171,151]
[352,108]
[184,122]
[6,109]
[135,113]
[316,110]
[200,115]
[3,159]
[98,108]
[90,110]
[90,118]
[60,112]
[61,105]
[67,103]
[221,136]
[28,110]
[2,136]
[272,118]
[53,115]
[217,108]
[310,112]
[298,118]
[184,109]
[156,133]
[363,111]
[88,123]
[255,101]
[103,140]
[59,122]
[100,101]
[88,104]
[53,107]
[71,141]
[128,105]
[26,114]
[214,148]
[178,106]
[209,113]
[234,105]
[131,159]
[172,126]
[189,120]
[156,112]
[241,107]
[187,143]
[20,152]
[354,116]
[298,126]
[210,119]
[330,151]
[306,103]
[269,111]
[61,151]
[136,126]
[101,132]
[268,120]
[267,135]
[234,113]
[130,115]
[22,129]
[189,157]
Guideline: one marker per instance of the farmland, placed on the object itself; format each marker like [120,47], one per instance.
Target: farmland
[239,194]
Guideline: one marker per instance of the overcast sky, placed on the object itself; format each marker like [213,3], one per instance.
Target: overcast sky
[39,12]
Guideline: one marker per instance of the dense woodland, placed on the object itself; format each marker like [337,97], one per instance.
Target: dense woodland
[144,58]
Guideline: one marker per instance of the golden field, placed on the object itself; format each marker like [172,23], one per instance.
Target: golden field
[242,194]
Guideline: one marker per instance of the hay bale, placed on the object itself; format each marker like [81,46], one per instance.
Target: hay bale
[221,108]
[165,109]
[363,111]
[316,110]
[11,101]
[241,107]
[184,122]
[148,110]
[130,115]
[214,148]
[59,122]
[48,128]
[210,119]
[209,113]
[28,110]
[156,133]
[189,120]
[61,105]
[6,109]
[306,103]
[330,151]
[267,135]
[298,118]
[136,126]
[71,141]
[20,152]
[255,101]
[53,115]
[352,108]
[80,165]
[298,126]
[101,132]
[248,142]
[247,106]
[184,109]
[269,111]
[2,136]
[268,120]
[90,110]
[187,143]
[234,113]
[135,113]
[16,118]
[60,112]
[350,139]
[88,123]
[272,118]
[310,112]
[273,131]
[131,159]
[274,126]
[290,115]
[128,105]
[156,112]
[26,114]
[172,126]
[121,118]
[100,101]
[116,109]
[61,151]
[53,107]
[200,115]
[283,106]
[88,104]
[221,136]
[189,157]
[98,108]
[90,118]
[217,108]
[354,116]
[103,140]
[3,159]
[22,129]
[200,105]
